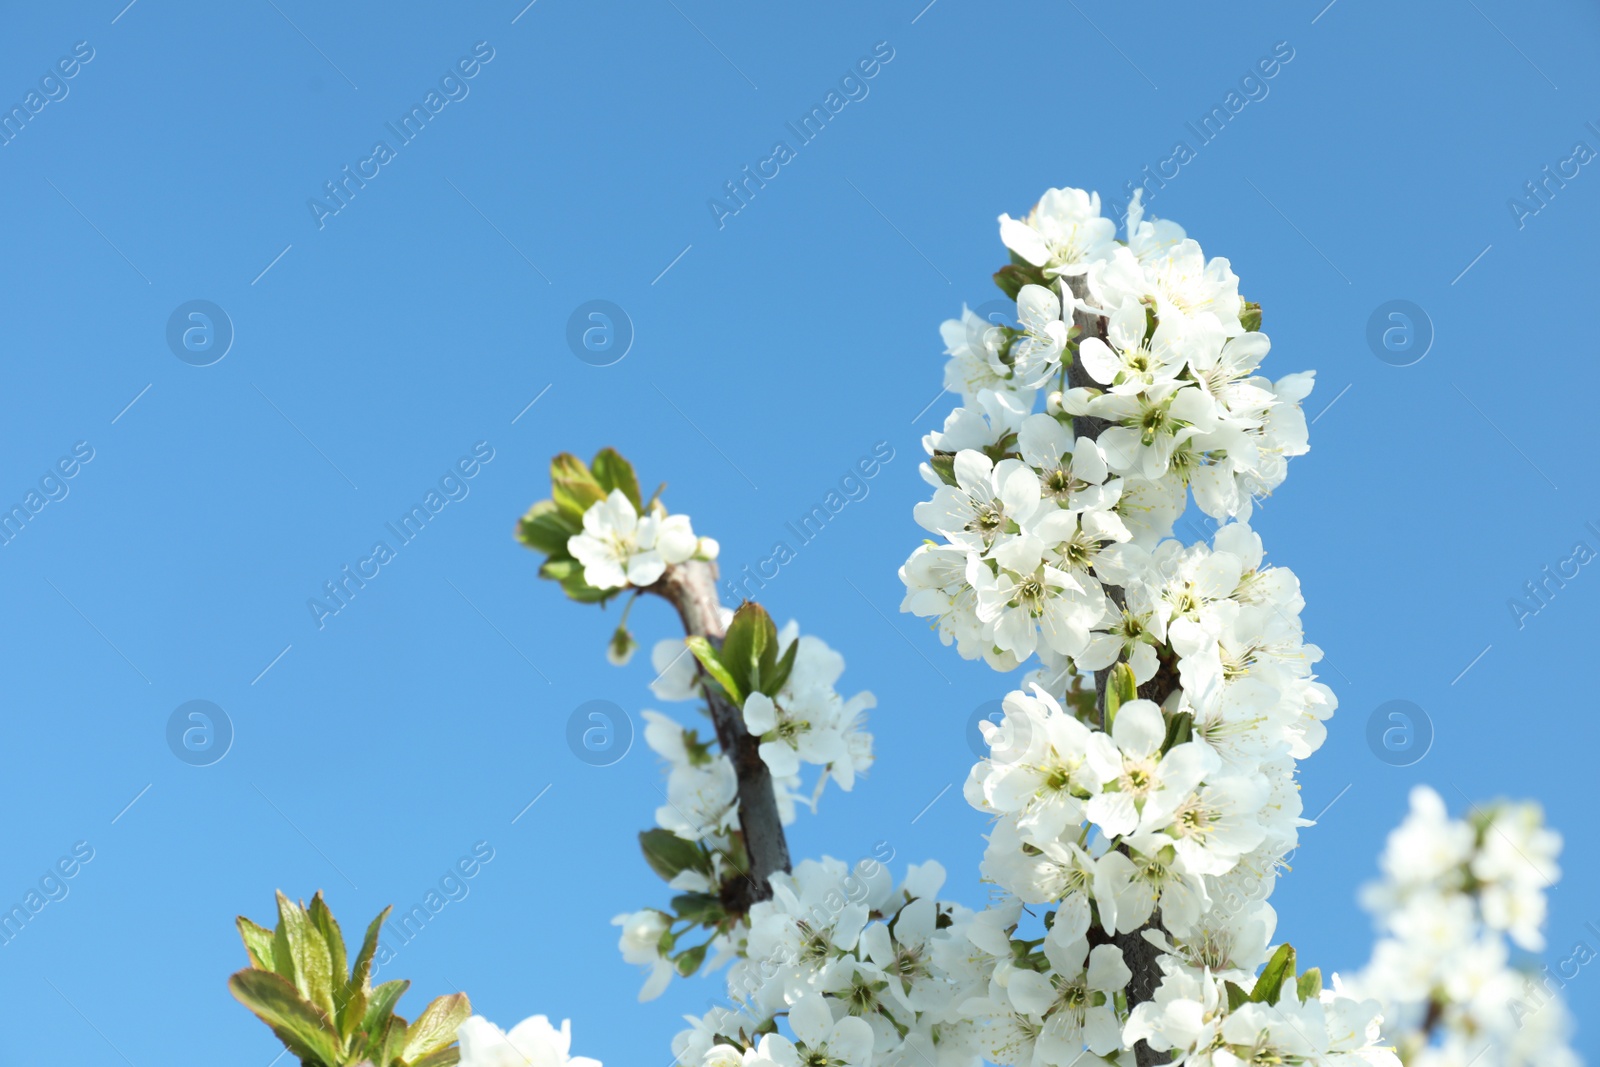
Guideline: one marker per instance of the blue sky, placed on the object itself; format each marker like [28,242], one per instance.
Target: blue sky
[375,347]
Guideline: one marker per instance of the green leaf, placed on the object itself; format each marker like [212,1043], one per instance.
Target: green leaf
[1251,317]
[944,465]
[333,938]
[749,635]
[669,855]
[572,485]
[1179,730]
[560,569]
[614,472]
[394,1040]
[257,943]
[690,959]
[312,961]
[772,683]
[569,572]
[1010,280]
[1310,985]
[1004,448]
[1237,997]
[1019,272]
[1120,688]
[546,528]
[359,987]
[1122,681]
[436,1026]
[282,956]
[276,1002]
[445,1057]
[709,659]
[380,1013]
[1022,264]
[702,908]
[1278,969]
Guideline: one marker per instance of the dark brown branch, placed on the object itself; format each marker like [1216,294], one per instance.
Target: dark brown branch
[1138,953]
[691,588]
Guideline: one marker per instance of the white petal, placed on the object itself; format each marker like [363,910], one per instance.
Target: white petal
[760,714]
[1139,728]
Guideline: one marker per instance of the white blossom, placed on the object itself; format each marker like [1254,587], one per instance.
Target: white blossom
[533,1041]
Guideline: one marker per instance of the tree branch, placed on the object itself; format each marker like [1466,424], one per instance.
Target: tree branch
[691,588]
[1138,953]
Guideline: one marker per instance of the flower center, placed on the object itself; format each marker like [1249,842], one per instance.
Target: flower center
[1031,593]
[1138,777]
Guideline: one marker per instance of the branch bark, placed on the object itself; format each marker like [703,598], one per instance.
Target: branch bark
[1138,953]
[691,588]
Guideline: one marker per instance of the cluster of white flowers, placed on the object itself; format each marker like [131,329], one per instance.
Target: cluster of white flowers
[1053,542]
[805,722]
[1037,521]
[865,971]
[618,547]
[1124,826]
[534,1042]
[1453,892]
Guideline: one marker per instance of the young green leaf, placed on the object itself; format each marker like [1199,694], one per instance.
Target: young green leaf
[380,1012]
[690,959]
[1250,318]
[572,485]
[702,908]
[1122,681]
[282,956]
[445,1057]
[1310,985]
[436,1026]
[669,855]
[393,1043]
[1010,280]
[569,572]
[1179,730]
[297,1024]
[257,943]
[546,528]
[772,683]
[749,635]
[313,965]
[1280,968]
[1237,997]
[1120,688]
[333,938]
[712,662]
[358,988]
[614,472]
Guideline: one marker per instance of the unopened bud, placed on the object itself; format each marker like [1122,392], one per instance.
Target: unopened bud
[621,647]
